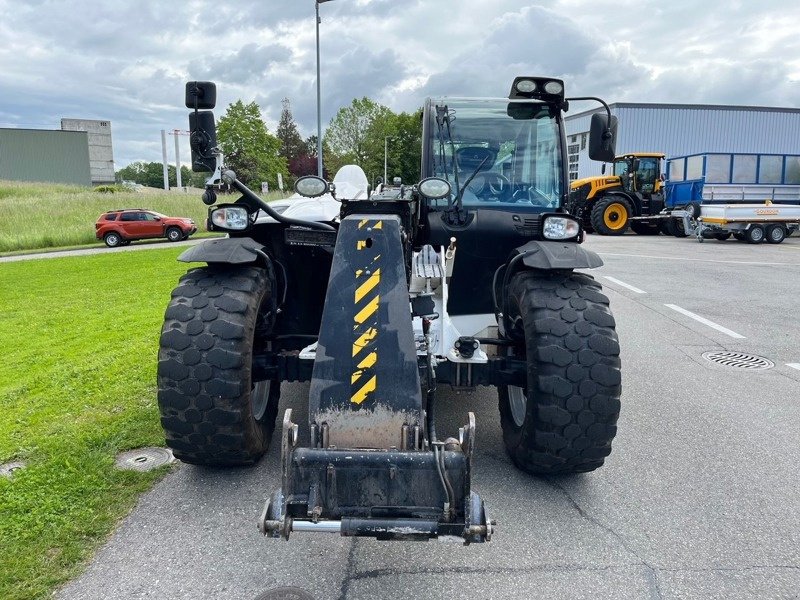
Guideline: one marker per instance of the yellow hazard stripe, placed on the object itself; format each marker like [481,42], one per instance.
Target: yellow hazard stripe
[362,223]
[370,309]
[366,287]
[364,339]
[378,225]
[367,388]
[369,361]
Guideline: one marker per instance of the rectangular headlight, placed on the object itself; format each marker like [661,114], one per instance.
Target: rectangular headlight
[234,218]
[560,228]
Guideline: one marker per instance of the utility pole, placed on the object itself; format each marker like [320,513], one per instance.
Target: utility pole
[177,133]
[164,156]
[319,96]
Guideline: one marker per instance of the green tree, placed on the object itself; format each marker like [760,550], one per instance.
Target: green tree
[367,133]
[356,134]
[292,144]
[249,149]
[405,147]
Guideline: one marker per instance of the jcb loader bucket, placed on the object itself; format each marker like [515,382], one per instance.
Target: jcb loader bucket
[369,470]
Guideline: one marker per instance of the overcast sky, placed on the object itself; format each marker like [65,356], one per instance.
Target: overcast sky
[127,61]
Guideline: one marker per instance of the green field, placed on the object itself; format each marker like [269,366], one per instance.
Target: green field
[77,386]
[40,216]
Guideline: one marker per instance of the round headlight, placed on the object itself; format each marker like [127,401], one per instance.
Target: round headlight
[311,186]
[230,217]
[434,188]
[554,87]
[526,86]
[560,228]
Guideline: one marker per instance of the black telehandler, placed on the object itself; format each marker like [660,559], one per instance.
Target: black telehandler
[466,278]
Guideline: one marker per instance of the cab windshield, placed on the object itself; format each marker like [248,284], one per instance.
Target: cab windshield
[511,151]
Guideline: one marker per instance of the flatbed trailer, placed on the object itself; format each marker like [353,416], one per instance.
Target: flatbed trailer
[753,223]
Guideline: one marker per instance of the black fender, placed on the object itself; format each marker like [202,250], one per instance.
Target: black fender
[232,251]
[556,256]
[542,256]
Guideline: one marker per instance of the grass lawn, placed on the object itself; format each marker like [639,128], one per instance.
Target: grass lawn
[44,215]
[77,386]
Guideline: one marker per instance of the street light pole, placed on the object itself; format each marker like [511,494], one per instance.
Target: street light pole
[385,160]
[319,95]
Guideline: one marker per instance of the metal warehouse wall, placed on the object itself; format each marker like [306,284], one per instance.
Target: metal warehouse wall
[101,155]
[42,155]
[679,129]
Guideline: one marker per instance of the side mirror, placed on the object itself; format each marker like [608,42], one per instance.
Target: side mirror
[158,218]
[635,164]
[602,137]
[203,140]
[603,169]
[201,95]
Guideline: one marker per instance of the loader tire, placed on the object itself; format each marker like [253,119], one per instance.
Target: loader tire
[610,215]
[564,419]
[212,412]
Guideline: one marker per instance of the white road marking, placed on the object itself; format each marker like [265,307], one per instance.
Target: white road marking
[724,262]
[705,321]
[625,285]
[794,365]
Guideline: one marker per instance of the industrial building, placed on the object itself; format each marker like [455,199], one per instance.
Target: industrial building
[45,155]
[101,155]
[80,153]
[683,129]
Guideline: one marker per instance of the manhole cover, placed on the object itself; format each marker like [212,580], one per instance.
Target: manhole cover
[285,593]
[8,469]
[144,459]
[738,360]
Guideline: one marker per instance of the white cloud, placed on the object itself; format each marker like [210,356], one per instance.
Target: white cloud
[127,61]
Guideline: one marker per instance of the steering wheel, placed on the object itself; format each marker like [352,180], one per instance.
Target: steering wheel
[490,186]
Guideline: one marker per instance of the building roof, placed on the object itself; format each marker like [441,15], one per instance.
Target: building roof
[658,105]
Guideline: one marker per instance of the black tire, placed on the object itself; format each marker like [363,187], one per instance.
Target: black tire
[739,236]
[722,236]
[611,215]
[644,228]
[775,234]
[754,234]
[573,366]
[211,410]
[174,234]
[678,230]
[113,239]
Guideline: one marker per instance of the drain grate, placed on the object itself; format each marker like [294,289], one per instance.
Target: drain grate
[144,459]
[739,360]
[8,469]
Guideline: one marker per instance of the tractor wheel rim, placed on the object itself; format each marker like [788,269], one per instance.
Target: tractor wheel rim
[259,397]
[757,234]
[775,234]
[614,216]
[518,403]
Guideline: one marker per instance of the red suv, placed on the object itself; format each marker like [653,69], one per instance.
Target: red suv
[121,227]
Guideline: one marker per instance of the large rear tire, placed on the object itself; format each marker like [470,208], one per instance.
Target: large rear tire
[610,215]
[564,419]
[212,411]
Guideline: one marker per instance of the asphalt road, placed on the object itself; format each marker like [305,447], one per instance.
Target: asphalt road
[700,498]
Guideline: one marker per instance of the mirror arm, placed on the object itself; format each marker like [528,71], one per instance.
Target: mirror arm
[230,178]
[600,100]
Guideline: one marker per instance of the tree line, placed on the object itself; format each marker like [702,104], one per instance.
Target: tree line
[357,134]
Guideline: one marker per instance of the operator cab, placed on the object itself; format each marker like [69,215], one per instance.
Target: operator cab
[639,173]
[493,159]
